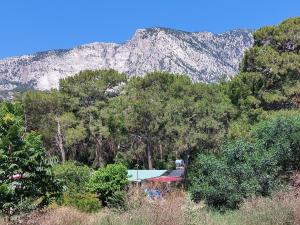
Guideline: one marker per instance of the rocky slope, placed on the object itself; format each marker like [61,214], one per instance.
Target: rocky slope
[203,56]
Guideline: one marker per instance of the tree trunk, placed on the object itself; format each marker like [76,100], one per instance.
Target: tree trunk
[149,155]
[25,119]
[98,158]
[161,153]
[59,141]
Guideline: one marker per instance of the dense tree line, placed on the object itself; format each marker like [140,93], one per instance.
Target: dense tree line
[98,117]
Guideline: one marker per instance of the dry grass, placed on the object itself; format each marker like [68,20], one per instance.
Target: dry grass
[2,221]
[61,216]
[166,212]
[282,209]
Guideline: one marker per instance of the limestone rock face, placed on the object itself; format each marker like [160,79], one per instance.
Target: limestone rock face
[203,56]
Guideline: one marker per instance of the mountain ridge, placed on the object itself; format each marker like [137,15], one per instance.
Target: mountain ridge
[203,56]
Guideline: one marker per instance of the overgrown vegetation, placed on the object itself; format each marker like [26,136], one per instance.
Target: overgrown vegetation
[74,178]
[109,183]
[281,209]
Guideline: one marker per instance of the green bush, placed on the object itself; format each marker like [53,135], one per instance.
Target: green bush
[242,171]
[73,176]
[209,180]
[109,183]
[248,169]
[281,135]
[83,202]
[117,199]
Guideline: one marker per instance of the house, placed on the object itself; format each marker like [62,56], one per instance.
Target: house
[161,176]
[158,183]
[141,175]
[172,176]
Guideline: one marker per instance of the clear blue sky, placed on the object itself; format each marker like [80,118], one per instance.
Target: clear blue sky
[27,26]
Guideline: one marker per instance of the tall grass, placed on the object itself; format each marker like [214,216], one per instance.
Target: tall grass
[1,220]
[282,209]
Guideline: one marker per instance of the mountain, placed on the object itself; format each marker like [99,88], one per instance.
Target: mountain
[203,56]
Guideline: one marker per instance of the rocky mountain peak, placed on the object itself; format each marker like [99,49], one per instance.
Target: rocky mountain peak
[203,56]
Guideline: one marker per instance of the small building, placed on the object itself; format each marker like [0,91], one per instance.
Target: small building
[176,175]
[158,183]
[159,187]
[168,177]
[141,175]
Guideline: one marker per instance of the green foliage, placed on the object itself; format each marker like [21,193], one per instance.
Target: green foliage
[76,117]
[167,115]
[281,135]
[242,171]
[284,37]
[270,70]
[83,202]
[210,180]
[22,154]
[73,176]
[148,120]
[109,184]
[247,169]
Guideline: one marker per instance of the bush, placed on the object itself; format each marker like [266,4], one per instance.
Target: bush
[83,202]
[109,184]
[281,135]
[242,171]
[73,176]
[248,169]
[210,180]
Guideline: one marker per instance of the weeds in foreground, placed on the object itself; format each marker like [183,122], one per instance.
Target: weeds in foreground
[282,209]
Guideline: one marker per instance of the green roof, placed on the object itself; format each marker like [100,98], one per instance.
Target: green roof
[138,175]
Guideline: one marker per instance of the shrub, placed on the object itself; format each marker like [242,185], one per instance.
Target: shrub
[242,171]
[109,184]
[281,134]
[248,169]
[83,202]
[210,180]
[73,176]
